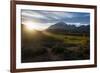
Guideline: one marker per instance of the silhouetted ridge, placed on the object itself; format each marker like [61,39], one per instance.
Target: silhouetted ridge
[59,25]
[64,28]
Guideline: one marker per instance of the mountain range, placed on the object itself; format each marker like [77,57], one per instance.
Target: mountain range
[65,28]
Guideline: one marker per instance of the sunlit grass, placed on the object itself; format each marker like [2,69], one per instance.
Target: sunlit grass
[70,39]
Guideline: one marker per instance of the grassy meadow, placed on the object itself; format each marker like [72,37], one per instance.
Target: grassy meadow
[41,46]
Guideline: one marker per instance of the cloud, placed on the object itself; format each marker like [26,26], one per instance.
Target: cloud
[31,13]
[48,15]
[42,16]
[76,24]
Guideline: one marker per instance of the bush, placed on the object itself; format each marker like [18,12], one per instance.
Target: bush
[58,49]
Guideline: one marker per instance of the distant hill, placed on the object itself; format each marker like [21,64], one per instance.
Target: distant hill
[59,25]
[64,28]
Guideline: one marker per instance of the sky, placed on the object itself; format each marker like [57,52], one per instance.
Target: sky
[43,19]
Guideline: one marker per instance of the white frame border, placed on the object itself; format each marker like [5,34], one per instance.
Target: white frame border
[20,65]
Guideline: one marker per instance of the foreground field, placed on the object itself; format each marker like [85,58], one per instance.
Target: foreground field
[41,46]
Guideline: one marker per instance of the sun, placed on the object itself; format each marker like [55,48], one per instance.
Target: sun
[34,26]
[31,26]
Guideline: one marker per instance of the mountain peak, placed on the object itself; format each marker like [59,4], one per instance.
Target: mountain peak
[58,25]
